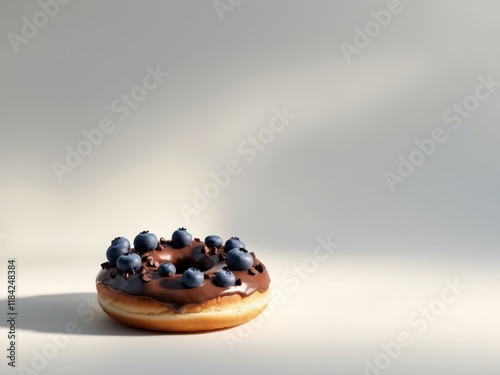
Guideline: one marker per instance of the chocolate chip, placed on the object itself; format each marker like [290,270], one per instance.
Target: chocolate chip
[159,247]
[197,239]
[253,271]
[213,251]
[163,240]
[105,265]
[205,276]
[112,274]
[237,282]
[259,267]
[221,256]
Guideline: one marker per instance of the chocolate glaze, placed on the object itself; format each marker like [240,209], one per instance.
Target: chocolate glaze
[170,290]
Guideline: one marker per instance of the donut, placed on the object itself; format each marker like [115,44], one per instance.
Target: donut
[182,284]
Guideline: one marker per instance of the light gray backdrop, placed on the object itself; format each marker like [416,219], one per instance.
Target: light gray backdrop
[358,85]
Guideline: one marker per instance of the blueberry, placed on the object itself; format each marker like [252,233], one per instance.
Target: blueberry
[121,241]
[213,241]
[232,243]
[114,252]
[145,241]
[165,269]
[128,262]
[239,259]
[192,277]
[224,277]
[181,238]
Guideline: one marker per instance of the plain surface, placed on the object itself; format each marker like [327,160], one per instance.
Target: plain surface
[323,175]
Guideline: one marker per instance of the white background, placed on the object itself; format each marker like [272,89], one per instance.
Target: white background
[323,175]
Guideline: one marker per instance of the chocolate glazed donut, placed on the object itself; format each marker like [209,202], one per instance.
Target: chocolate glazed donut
[212,286]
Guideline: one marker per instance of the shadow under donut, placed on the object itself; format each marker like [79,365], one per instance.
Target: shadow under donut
[71,313]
